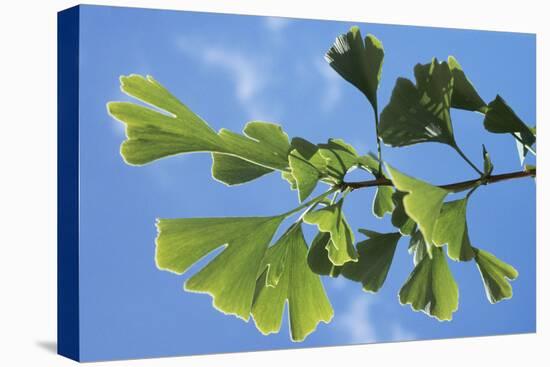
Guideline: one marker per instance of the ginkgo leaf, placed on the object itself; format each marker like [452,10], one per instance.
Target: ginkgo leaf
[451,229]
[358,62]
[382,202]
[169,127]
[501,119]
[296,284]
[232,170]
[331,219]
[418,247]
[399,217]
[496,275]
[375,258]
[422,203]
[340,156]
[431,287]
[464,95]
[420,113]
[307,165]
[369,163]
[317,256]
[230,278]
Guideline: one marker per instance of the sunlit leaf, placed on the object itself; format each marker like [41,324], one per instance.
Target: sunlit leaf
[369,163]
[418,247]
[340,156]
[420,113]
[307,165]
[232,170]
[230,278]
[399,217]
[168,127]
[496,275]
[358,62]
[375,258]
[331,219]
[295,283]
[382,202]
[317,257]
[431,287]
[464,94]
[422,203]
[451,228]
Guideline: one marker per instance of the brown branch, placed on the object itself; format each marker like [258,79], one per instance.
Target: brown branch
[454,187]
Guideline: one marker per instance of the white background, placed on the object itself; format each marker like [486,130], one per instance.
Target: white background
[28,182]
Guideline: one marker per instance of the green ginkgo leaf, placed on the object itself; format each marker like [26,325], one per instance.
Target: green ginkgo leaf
[464,95]
[501,119]
[418,247]
[451,228]
[340,156]
[294,283]
[420,113]
[232,170]
[431,287]
[369,163]
[168,127]
[317,256]
[399,217]
[496,275]
[375,258]
[331,219]
[383,202]
[422,203]
[358,62]
[230,278]
[307,165]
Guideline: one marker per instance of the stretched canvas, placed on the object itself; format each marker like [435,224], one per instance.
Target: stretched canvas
[233,183]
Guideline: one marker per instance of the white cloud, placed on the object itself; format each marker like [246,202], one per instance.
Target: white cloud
[398,333]
[276,24]
[250,76]
[332,90]
[357,321]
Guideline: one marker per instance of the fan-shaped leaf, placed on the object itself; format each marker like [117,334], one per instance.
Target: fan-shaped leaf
[331,219]
[431,287]
[496,275]
[399,217]
[296,283]
[317,256]
[464,94]
[307,165]
[358,62]
[451,229]
[231,277]
[418,247]
[382,202]
[232,170]
[420,113]
[422,203]
[340,156]
[375,258]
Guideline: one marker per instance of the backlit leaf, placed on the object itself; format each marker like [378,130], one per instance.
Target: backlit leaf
[418,247]
[382,202]
[340,156]
[431,287]
[420,113]
[464,94]
[399,217]
[307,165]
[331,219]
[496,275]
[358,62]
[317,257]
[230,278]
[232,170]
[451,229]
[422,203]
[296,283]
[375,258]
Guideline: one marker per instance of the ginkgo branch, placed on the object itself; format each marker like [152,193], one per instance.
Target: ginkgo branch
[454,187]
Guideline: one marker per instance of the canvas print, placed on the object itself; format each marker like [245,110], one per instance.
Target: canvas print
[236,183]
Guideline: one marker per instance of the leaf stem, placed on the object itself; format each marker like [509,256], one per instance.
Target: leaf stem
[453,187]
[461,153]
[314,200]
[378,142]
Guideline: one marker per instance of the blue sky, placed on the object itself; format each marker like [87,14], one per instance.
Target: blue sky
[232,69]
